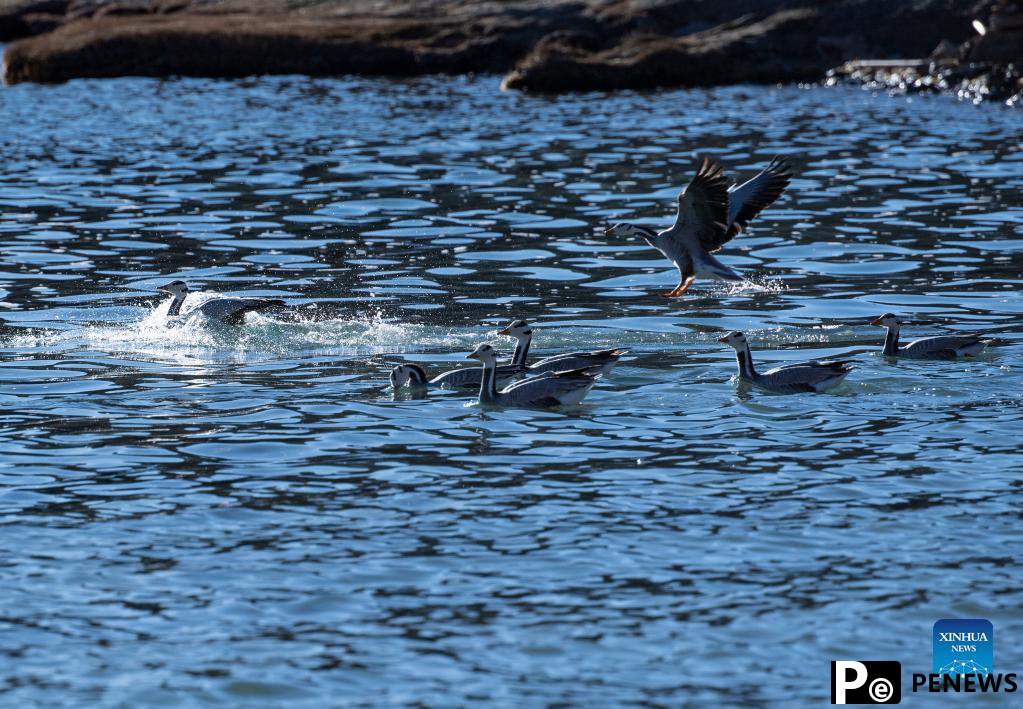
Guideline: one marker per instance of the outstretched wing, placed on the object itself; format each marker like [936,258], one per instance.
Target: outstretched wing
[703,206]
[749,199]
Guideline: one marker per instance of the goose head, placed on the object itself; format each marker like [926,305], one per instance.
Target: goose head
[179,289]
[410,374]
[887,320]
[735,340]
[484,353]
[519,329]
[626,230]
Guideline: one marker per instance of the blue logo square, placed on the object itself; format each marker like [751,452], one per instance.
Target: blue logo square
[963,646]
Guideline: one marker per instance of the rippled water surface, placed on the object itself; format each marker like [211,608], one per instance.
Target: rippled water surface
[249,517]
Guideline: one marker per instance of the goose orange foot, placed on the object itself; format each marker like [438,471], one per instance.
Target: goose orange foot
[680,289]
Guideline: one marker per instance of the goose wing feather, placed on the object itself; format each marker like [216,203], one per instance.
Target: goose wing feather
[549,389]
[472,376]
[807,374]
[231,311]
[944,346]
[749,199]
[703,208]
[576,360]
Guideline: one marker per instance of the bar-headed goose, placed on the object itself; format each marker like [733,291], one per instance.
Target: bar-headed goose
[710,214]
[941,347]
[547,389]
[226,310]
[600,361]
[414,377]
[818,375]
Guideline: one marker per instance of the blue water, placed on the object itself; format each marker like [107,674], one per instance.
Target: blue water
[250,518]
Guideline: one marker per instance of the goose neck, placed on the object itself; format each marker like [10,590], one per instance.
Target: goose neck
[891,341]
[745,359]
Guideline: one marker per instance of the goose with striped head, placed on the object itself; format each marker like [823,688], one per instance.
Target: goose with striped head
[600,361]
[817,376]
[940,347]
[224,310]
[710,214]
[547,389]
[414,377]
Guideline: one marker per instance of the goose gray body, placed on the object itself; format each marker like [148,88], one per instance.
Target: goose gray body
[225,310]
[940,347]
[710,214]
[598,361]
[414,376]
[544,390]
[815,376]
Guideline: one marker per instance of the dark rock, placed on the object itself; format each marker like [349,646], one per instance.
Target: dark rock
[119,39]
[997,47]
[984,67]
[22,18]
[946,50]
[547,45]
[745,50]
[698,43]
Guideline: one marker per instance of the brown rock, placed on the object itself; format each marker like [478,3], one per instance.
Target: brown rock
[22,18]
[207,41]
[745,50]
[552,45]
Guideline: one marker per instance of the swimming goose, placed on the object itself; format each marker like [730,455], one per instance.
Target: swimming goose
[818,375]
[547,389]
[229,311]
[710,214]
[941,347]
[605,360]
[414,376]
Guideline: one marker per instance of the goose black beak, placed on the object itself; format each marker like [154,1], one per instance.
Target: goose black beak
[876,321]
[505,331]
[162,289]
[723,340]
[472,355]
[610,231]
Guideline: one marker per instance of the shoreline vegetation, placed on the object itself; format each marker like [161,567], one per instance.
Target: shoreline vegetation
[971,48]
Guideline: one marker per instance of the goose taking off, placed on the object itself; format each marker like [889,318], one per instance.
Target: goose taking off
[710,214]
[819,375]
[599,361]
[941,347]
[414,377]
[229,311]
[547,389]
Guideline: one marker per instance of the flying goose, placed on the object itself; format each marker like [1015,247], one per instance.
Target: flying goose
[414,376]
[226,310]
[710,214]
[600,361]
[941,347]
[818,375]
[547,389]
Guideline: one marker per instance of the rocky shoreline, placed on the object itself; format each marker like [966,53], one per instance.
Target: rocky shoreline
[539,45]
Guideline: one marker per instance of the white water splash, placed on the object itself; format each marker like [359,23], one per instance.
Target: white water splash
[159,338]
[753,284]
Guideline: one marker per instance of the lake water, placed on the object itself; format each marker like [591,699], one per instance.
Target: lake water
[250,518]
